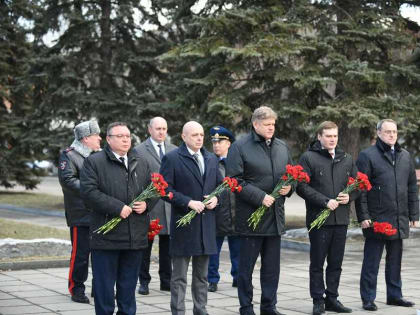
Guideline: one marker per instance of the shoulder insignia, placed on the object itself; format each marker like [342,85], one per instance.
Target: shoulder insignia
[63,165]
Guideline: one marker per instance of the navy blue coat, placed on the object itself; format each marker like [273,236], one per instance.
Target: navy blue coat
[186,183]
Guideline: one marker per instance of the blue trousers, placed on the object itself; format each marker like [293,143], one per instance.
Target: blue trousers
[234,246]
[269,249]
[120,267]
[79,261]
[372,257]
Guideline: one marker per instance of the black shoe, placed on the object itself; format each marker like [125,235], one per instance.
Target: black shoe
[272,312]
[336,306]
[399,302]
[165,287]
[319,308]
[143,289]
[370,306]
[235,283]
[212,287]
[80,298]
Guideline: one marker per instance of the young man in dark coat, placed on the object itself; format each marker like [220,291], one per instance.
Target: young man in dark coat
[258,161]
[192,173]
[86,141]
[329,169]
[110,180]
[222,138]
[153,149]
[393,199]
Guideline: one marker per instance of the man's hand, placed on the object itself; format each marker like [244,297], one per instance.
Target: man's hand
[285,190]
[197,206]
[268,201]
[125,212]
[139,207]
[212,203]
[366,224]
[414,223]
[332,204]
[343,199]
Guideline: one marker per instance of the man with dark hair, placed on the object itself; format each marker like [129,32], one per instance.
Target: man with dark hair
[153,149]
[393,199]
[258,160]
[110,180]
[222,138]
[329,169]
[86,141]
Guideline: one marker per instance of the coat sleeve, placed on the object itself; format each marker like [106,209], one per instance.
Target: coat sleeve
[167,170]
[413,199]
[67,174]
[306,191]
[235,168]
[364,166]
[93,197]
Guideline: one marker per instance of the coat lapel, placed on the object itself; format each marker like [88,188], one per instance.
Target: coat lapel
[190,164]
[152,151]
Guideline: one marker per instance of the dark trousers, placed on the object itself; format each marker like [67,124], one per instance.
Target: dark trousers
[112,267]
[234,247]
[327,242]
[371,260]
[269,249]
[79,261]
[165,267]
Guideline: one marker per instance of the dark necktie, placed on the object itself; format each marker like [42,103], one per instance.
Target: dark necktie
[393,155]
[200,166]
[160,152]
[122,159]
[268,142]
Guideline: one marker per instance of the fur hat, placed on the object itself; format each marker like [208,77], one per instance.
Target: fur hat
[85,129]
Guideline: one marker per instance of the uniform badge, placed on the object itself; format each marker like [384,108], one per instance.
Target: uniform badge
[63,165]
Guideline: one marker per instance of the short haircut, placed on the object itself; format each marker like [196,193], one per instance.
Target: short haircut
[381,122]
[325,125]
[263,112]
[114,124]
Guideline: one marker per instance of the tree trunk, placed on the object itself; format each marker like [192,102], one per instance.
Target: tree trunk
[105,48]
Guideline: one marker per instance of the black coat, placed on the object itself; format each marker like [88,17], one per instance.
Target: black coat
[394,194]
[225,211]
[69,165]
[186,183]
[258,168]
[107,186]
[328,178]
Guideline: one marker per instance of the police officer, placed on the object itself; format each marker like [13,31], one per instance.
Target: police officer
[86,141]
[222,139]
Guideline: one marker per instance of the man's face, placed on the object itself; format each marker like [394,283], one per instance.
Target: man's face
[119,139]
[194,137]
[329,138]
[265,128]
[158,130]
[93,142]
[221,147]
[388,133]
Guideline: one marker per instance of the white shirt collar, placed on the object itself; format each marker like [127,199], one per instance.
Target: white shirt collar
[124,156]
[155,145]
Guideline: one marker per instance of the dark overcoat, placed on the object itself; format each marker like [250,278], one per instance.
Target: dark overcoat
[186,183]
[162,209]
[394,194]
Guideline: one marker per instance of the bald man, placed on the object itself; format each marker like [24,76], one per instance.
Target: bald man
[192,173]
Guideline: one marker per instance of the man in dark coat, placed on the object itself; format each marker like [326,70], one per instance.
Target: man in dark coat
[393,199]
[86,141]
[258,161]
[329,169]
[109,181]
[153,150]
[192,173]
[222,139]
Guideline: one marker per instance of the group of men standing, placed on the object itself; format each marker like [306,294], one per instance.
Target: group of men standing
[108,180]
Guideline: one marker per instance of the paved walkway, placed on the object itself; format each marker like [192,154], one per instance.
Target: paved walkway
[43,291]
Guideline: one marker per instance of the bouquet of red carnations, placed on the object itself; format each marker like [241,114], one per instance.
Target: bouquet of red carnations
[155,189]
[154,229]
[383,228]
[293,174]
[360,183]
[228,183]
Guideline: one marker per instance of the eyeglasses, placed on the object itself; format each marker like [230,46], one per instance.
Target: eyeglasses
[121,136]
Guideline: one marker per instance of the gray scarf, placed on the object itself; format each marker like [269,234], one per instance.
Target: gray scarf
[81,148]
